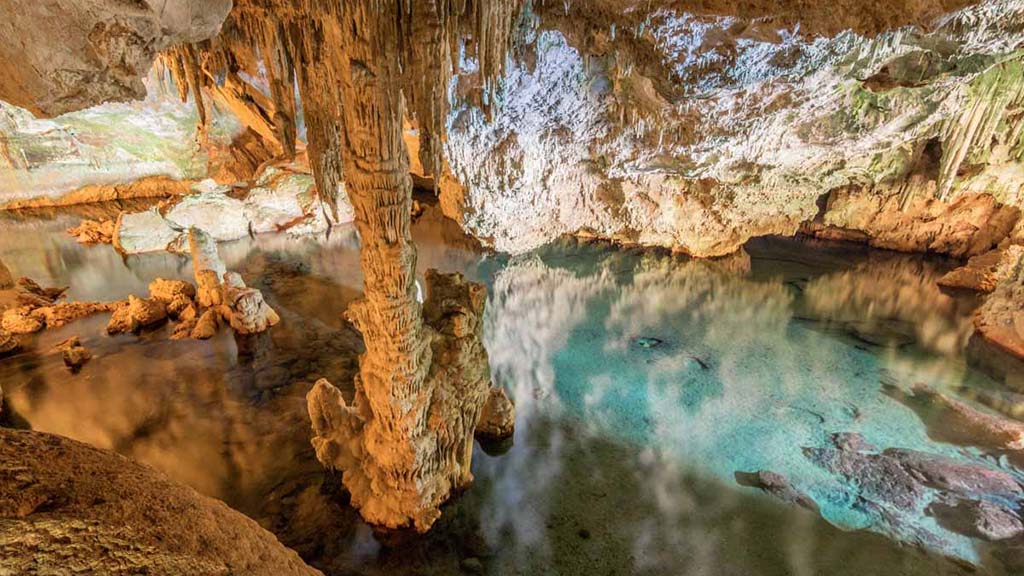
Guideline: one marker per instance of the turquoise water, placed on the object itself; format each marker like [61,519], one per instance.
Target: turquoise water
[644,382]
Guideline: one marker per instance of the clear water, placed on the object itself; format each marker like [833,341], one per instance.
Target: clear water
[625,455]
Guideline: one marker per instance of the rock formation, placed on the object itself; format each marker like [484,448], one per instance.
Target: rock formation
[106,47]
[73,353]
[67,507]
[498,417]
[698,126]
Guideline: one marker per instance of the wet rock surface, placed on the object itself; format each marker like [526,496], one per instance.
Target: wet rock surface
[979,519]
[74,354]
[72,508]
[776,485]
[498,417]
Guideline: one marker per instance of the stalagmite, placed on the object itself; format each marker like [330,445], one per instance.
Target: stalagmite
[405,442]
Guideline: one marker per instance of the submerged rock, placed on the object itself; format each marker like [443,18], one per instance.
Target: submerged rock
[498,417]
[852,442]
[968,425]
[648,342]
[778,486]
[978,519]
[878,477]
[947,474]
[73,353]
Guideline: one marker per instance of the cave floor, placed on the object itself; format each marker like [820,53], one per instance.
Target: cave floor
[646,386]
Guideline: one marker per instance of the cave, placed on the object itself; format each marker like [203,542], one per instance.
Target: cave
[441,287]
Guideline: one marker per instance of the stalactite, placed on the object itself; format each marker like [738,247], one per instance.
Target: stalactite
[996,91]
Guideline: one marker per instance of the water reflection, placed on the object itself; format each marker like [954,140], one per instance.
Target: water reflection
[625,452]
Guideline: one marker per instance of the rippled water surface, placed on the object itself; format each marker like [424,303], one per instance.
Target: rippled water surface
[644,383]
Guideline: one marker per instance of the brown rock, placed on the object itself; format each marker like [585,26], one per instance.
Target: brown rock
[67,312]
[93,232]
[6,278]
[21,321]
[137,314]
[986,271]
[74,354]
[168,291]
[207,325]
[978,519]
[8,343]
[970,225]
[184,329]
[79,510]
[498,417]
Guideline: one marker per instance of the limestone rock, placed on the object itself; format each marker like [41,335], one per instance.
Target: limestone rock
[21,320]
[105,48]
[985,272]
[212,211]
[964,479]
[184,329]
[74,354]
[147,231]
[79,509]
[498,417]
[64,313]
[137,314]
[94,231]
[979,428]
[979,519]
[248,312]
[6,278]
[8,344]
[969,226]
[168,291]
[207,267]
[205,327]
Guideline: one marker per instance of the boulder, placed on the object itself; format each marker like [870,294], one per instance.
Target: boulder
[74,354]
[74,509]
[168,291]
[137,314]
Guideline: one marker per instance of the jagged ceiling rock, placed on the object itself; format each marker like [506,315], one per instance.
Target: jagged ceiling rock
[57,56]
[699,132]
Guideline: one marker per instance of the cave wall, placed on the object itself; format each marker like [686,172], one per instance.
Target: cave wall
[105,48]
[666,128]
